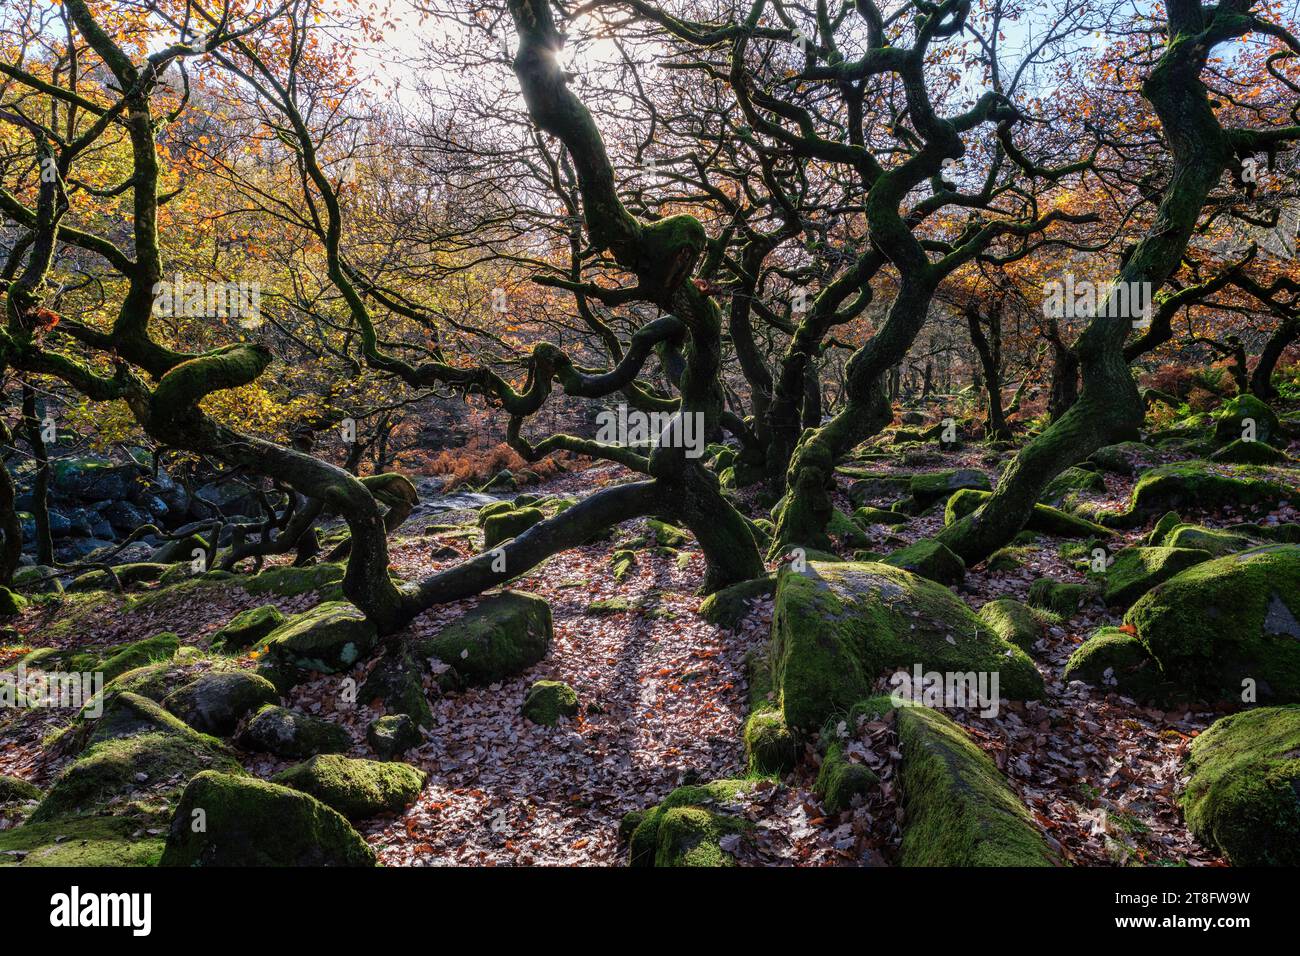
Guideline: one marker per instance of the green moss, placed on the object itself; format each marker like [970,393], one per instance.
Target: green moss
[1216,543]
[666,535]
[869,516]
[1009,558]
[160,647]
[505,525]
[930,559]
[1136,571]
[355,788]
[959,809]
[1013,622]
[1242,795]
[128,575]
[1242,452]
[838,627]
[249,822]
[17,790]
[1113,659]
[503,636]
[329,638]
[11,602]
[607,606]
[549,700]
[1231,420]
[1168,522]
[686,829]
[398,682]
[728,607]
[495,508]
[289,581]
[1199,484]
[839,780]
[86,841]
[769,745]
[1070,482]
[844,528]
[1226,621]
[622,562]
[247,628]
[926,489]
[1058,596]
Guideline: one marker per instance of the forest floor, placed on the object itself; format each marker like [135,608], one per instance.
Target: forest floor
[664,696]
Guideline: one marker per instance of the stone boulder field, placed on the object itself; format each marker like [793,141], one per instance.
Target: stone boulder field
[1119,684]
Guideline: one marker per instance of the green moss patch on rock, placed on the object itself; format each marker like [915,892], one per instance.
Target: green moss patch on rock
[1044,518]
[397,682]
[1115,660]
[329,639]
[959,809]
[1069,483]
[85,841]
[248,822]
[930,559]
[355,788]
[1215,543]
[1135,571]
[1241,452]
[549,700]
[289,581]
[287,733]
[504,635]
[17,790]
[926,489]
[688,827]
[1243,795]
[838,627]
[1012,621]
[769,746]
[1245,415]
[1203,485]
[504,525]
[1059,597]
[729,606]
[128,576]
[247,628]
[1227,621]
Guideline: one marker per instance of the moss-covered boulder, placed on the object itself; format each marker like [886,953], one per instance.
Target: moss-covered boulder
[505,525]
[216,702]
[1160,530]
[247,628]
[549,700]
[1214,542]
[1135,571]
[504,635]
[869,516]
[225,820]
[1069,483]
[769,745]
[688,828]
[1242,452]
[1246,416]
[666,535]
[355,788]
[393,735]
[1201,484]
[928,488]
[289,581]
[495,508]
[1226,622]
[841,779]
[85,841]
[329,638]
[728,607]
[138,756]
[11,602]
[1243,793]
[287,733]
[17,790]
[1013,622]
[838,627]
[110,661]
[1113,659]
[930,559]
[879,488]
[38,579]
[959,809]
[1121,459]
[1059,597]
